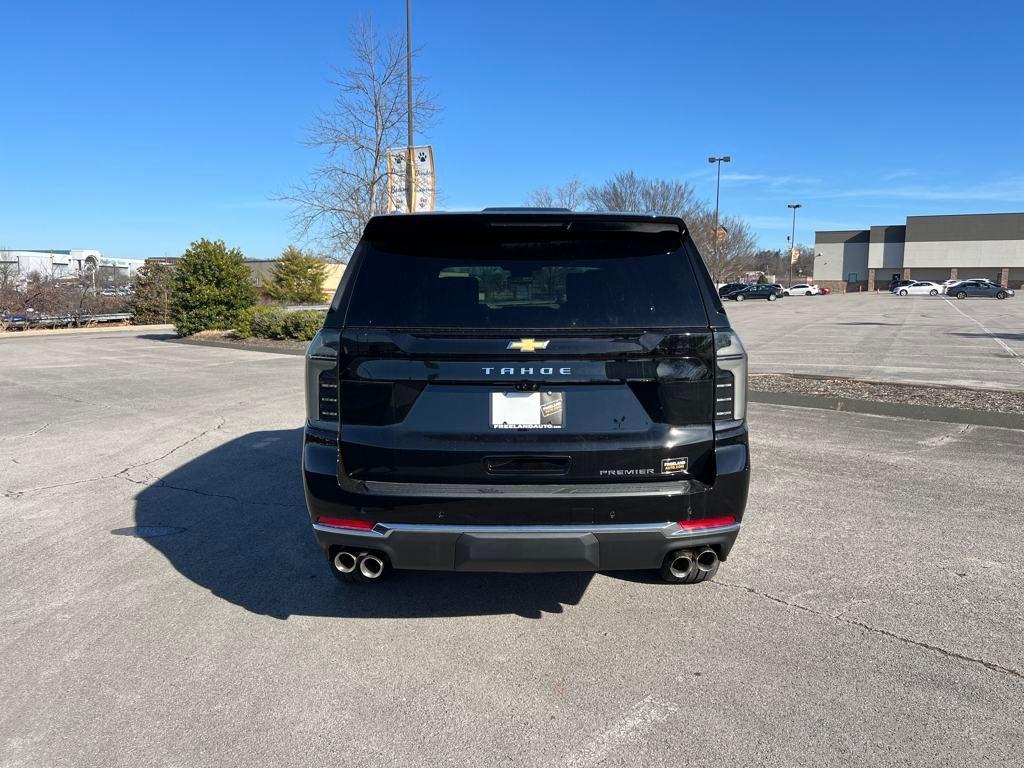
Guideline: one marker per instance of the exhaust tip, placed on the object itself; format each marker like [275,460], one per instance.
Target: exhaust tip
[371,566]
[681,565]
[344,562]
[707,559]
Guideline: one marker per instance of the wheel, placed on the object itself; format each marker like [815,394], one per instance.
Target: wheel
[785,293]
[1001,295]
[933,292]
[739,297]
[691,575]
[809,293]
[772,297]
[903,292]
[962,295]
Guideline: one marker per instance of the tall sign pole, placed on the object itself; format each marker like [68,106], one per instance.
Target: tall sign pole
[718,189]
[409,179]
[792,242]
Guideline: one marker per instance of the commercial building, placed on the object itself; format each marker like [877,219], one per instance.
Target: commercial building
[56,263]
[935,248]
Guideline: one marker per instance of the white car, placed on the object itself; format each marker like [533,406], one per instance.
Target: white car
[946,284]
[802,289]
[921,288]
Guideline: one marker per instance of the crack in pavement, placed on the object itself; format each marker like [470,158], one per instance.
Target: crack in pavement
[989,665]
[27,435]
[123,473]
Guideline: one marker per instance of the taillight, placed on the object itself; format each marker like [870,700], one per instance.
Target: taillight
[321,382]
[708,522]
[730,380]
[346,522]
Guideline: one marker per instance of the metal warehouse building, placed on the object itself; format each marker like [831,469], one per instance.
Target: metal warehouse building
[926,248]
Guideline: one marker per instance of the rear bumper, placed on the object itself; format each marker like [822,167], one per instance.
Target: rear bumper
[525,548]
[439,527]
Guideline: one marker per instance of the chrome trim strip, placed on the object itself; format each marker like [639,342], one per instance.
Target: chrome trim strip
[669,530]
[532,491]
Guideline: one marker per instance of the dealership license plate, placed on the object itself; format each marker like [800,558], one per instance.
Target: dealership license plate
[527,410]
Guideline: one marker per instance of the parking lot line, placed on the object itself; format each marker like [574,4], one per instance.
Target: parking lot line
[991,335]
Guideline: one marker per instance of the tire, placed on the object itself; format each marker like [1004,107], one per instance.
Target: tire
[1001,295]
[961,295]
[772,297]
[809,293]
[739,297]
[785,293]
[695,576]
[903,292]
[933,292]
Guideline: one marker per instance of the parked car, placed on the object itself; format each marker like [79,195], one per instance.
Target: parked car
[730,287]
[920,288]
[802,289]
[468,408]
[763,291]
[979,288]
[895,285]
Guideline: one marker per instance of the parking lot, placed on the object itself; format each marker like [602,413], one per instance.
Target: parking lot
[917,339]
[870,613]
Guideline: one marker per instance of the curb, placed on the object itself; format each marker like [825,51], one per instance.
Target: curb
[897,410]
[240,345]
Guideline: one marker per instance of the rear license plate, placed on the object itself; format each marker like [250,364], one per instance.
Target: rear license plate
[527,410]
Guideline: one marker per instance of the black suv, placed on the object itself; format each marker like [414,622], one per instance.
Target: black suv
[528,391]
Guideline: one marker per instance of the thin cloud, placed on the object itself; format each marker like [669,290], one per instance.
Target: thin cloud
[1005,191]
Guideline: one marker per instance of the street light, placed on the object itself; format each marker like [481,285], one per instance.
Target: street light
[792,240]
[718,189]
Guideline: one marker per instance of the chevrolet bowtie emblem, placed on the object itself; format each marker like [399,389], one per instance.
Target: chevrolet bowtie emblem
[528,345]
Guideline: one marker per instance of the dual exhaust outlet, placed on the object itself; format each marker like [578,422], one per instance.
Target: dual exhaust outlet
[685,562]
[370,565]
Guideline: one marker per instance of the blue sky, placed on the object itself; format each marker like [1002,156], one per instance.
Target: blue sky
[136,128]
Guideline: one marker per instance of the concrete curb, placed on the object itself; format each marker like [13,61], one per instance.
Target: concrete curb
[240,345]
[898,410]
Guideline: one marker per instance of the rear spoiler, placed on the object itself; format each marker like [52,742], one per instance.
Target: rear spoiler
[487,224]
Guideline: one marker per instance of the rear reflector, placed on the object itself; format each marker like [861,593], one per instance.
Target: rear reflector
[708,522]
[344,522]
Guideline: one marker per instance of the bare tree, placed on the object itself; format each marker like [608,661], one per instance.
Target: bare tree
[638,194]
[368,117]
[571,195]
[735,251]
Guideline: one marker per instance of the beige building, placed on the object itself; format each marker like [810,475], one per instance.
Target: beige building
[262,268]
[938,248]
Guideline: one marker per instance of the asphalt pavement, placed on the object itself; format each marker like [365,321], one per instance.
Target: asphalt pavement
[975,342]
[870,613]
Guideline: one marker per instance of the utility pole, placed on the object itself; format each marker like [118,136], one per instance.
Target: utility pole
[792,241]
[409,180]
[718,189]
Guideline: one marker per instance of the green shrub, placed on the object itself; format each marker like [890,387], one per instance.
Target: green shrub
[212,286]
[268,322]
[303,324]
[154,285]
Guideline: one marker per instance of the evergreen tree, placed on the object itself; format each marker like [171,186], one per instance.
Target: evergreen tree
[212,286]
[297,278]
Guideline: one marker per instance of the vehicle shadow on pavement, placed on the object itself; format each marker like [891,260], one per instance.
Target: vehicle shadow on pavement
[247,539]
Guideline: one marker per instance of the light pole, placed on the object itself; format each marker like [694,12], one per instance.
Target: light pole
[409,181]
[718,189]
[792,241]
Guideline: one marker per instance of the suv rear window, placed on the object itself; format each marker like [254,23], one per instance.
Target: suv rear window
[612,282]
